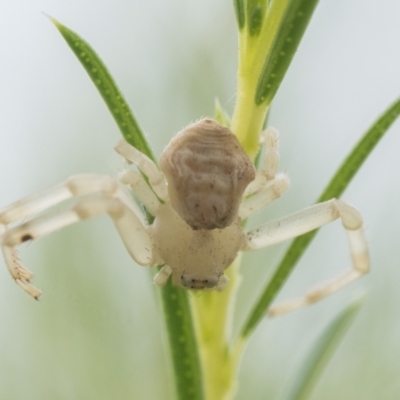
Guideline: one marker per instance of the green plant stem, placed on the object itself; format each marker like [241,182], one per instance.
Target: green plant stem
[258,27]
[248,118]
[212,312]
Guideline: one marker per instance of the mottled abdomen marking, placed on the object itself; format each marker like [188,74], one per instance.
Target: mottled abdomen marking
[207,172]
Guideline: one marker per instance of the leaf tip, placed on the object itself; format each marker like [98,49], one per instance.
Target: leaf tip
[53,20]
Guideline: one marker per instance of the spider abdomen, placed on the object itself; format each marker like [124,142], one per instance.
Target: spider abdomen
[207,172]
[197,258]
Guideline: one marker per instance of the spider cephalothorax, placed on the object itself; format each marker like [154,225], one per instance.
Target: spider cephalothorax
[206,188]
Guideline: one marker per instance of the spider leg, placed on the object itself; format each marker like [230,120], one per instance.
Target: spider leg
[76,185]
[141,189]
[305,221]
[147,166]
[222,283]
[270,138]
[271,192]
[113,201]
[161,278]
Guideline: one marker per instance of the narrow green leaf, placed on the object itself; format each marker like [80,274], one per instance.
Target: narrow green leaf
[321,353]
[335,188]
[256,10]
[240,13]
[108,89]
[182,340]
[288,37]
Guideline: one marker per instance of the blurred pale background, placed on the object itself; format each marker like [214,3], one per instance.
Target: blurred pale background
[97,332]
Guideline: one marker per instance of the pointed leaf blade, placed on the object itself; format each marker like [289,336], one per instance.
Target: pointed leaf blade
[321,353]
[107,88]
[288,37]
[240,13]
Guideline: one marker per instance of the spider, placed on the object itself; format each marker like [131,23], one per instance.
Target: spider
[206,187]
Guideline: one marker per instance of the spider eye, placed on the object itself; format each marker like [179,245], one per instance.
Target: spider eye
[193,282]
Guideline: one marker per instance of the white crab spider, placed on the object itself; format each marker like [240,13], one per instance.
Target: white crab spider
[207,186]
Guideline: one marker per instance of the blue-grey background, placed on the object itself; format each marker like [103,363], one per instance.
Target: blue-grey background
[97,332]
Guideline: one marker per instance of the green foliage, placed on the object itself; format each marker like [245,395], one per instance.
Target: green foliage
[240,14]
[288,37]
[266,48]
[108,89]
[183,344]
[321,353]
[255,16]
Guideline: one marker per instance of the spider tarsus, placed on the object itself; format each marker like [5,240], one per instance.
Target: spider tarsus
[26,237]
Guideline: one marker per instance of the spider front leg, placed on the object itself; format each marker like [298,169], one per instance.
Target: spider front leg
[268,186]
[263,197]
[161,278]
[113,201]
[147,166]
[305,221]
[270,140]
[142,190]
[149,192]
